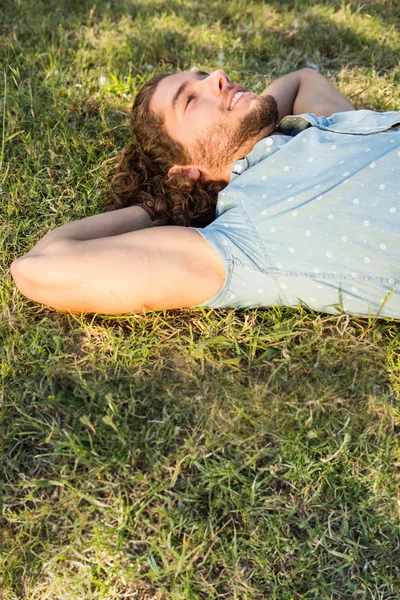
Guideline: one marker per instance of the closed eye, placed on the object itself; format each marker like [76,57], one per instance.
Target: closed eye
[189,99]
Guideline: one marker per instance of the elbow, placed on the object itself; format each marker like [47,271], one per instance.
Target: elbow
[44,278]
[16,272]
[21,273]
[14,269]
[29,276]
[35,273]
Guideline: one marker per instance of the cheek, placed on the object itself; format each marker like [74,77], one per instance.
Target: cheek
[198,118]
[202,120]
[195,126]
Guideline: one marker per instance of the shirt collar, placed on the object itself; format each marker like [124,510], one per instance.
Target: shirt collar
[263,149]
[290,125]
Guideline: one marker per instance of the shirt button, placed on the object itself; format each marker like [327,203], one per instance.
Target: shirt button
[269,141]
[238,167]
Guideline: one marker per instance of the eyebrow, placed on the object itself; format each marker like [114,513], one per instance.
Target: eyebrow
[184,85]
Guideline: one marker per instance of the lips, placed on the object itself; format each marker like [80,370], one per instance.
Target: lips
[236,89]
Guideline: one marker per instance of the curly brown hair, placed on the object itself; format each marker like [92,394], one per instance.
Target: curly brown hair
[141,171]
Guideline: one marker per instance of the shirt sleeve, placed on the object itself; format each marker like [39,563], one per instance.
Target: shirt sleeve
[247,283]
[219,243]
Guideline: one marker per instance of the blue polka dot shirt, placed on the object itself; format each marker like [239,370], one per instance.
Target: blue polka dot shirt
[311,216]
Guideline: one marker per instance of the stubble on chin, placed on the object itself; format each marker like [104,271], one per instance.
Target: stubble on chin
[219,147]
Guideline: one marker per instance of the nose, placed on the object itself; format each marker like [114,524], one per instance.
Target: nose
[219,82]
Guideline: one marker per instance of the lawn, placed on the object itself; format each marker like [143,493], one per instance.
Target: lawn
[186,454]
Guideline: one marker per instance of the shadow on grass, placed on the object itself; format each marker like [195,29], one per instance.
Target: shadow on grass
[125,412]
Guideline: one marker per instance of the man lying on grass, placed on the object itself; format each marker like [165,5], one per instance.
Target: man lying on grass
[229,200]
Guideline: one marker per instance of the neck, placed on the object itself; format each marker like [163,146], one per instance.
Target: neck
[242,153]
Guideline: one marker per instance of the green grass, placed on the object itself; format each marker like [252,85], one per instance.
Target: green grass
[188,454]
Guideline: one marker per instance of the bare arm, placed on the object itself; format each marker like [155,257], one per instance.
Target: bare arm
[306,91]
[159,268]
[107,224]
[117,263]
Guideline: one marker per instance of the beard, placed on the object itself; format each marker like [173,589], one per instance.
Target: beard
[219,146]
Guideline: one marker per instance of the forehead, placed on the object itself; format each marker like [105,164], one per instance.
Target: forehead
[167,88]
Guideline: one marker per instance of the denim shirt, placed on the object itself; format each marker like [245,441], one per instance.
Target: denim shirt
[312,217]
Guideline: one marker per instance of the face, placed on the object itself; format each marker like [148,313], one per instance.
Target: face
[216,120]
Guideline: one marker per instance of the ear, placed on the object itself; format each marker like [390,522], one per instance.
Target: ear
[190,171]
